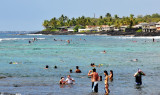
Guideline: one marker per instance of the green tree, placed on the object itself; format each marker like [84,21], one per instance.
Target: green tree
[46,24]
[108,15]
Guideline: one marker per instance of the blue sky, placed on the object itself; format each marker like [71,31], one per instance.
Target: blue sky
[28,15]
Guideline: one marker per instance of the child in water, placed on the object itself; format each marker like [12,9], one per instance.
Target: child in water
[62,81]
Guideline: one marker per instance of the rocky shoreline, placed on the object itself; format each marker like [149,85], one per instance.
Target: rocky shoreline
[111,33]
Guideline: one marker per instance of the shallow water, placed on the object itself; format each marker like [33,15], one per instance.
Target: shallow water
[30,77]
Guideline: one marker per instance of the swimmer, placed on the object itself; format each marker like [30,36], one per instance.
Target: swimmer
[104,51]
[55,67]
[69,80]
[77,70]
[100,78]
[68,41]
[54,39]
[70,70]
[13,63]
[62,81]
[29,41]
[46,67]
[93,65]
[34,39]
[134,60]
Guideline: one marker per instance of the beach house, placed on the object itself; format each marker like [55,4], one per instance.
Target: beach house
[149,27]
[123,28]
[63,28]
[152,27]
[106,28]
[71,28]
[158,26]
[90,28]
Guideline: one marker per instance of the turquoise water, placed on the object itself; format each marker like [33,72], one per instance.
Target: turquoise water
[30,77]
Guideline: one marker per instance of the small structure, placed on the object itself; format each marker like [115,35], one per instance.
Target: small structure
[158,26]
[83,30]
[106,28]
[123,28]
[93,28]
[141,25]
[71,29]
[63,28]
[89,28]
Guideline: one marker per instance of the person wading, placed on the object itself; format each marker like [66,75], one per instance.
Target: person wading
[94,79]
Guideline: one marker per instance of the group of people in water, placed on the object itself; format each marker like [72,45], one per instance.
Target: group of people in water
[91,74]
[31,41]
[95,78]
[68,41]
[69,80]
[94,75]
[47,67]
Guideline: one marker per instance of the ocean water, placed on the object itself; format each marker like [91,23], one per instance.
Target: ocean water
[30,78]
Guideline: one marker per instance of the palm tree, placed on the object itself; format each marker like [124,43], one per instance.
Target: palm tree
[46,24]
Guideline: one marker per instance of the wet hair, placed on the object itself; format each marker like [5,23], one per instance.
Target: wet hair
[47,66]
[70,70]
[55,67]
[10,62]
[29,41]
[106,72]
[62,77]
[77,67]
[94,70]
[111,72]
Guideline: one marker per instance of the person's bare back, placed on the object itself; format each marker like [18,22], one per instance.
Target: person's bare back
[95,77]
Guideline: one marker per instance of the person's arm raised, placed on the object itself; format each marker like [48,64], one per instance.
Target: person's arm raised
[89,73]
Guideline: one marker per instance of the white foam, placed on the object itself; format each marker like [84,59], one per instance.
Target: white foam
[132,37]
[6,39]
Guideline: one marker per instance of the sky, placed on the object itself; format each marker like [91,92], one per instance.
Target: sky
[28,15]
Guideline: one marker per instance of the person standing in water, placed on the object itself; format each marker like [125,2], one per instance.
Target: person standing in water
[111,75]
[94,79]
[106,82]
[153,39]
[138,77]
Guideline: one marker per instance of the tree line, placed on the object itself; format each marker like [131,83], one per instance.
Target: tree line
[108,19]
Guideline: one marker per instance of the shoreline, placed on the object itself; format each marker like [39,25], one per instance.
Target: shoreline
[108,33]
